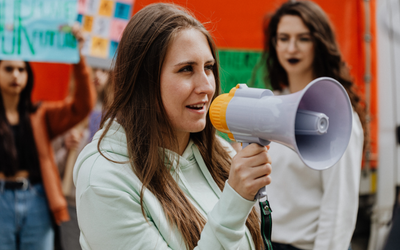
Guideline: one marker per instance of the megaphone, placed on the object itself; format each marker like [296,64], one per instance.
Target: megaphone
[315,122]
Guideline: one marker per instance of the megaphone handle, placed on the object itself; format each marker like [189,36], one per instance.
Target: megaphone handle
[262,192]
[265,209]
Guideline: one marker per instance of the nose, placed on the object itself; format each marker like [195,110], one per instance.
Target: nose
[292,47]
[96,74]
[205,83]
[15,73]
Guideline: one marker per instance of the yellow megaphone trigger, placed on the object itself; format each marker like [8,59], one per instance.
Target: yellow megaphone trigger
[218,112]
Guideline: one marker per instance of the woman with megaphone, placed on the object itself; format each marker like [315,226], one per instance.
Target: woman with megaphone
[156,176]
[312,209]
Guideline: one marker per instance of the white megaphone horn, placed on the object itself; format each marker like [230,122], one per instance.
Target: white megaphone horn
[315,122]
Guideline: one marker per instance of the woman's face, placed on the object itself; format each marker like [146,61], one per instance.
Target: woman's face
[187,81]
[13,77]
[100,79]
[294,46]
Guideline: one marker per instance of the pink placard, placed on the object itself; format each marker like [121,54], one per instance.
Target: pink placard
[81,6]
[117,27]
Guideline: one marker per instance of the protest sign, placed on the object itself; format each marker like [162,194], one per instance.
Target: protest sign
[38,30]
[103,22]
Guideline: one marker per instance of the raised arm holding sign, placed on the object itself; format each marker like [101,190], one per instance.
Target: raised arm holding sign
[38,30]
[29,180]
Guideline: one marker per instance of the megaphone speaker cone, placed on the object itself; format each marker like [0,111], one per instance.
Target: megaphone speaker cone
[315,122]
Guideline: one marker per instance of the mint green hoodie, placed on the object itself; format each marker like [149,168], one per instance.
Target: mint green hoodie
[108,201]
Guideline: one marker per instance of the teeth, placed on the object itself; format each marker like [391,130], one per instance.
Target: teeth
[197,105]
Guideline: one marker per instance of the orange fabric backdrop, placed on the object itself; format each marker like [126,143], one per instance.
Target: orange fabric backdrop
[238,25]
[51,81]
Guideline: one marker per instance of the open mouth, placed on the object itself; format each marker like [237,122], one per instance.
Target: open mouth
[293,60]
[196,106]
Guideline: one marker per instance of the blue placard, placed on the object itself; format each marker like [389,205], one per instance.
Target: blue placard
[38,30]
[79,18]
[113,49]
[122,10]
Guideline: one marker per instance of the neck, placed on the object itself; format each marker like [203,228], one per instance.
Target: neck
[183,140]
[10,103]
[298,82]
[98,106]
[100,97]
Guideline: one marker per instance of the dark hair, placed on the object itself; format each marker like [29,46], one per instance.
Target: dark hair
[10,161]
[327,57]
[138,107]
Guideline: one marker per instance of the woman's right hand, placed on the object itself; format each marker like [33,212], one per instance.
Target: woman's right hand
[72,139]
[78,33]
[250,170]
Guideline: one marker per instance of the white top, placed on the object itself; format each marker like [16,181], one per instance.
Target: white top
[315,209]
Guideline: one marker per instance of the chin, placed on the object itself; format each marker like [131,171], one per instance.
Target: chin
[294,72]
[198,128]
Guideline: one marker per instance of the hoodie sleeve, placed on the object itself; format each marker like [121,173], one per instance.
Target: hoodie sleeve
[225,227]
[110,215]
[111,219]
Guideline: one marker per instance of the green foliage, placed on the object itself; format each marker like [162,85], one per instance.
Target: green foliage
[239,66]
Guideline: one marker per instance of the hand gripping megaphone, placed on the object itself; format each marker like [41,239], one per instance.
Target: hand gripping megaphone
[315,122]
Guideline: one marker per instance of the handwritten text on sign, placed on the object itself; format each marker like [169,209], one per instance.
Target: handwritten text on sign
[38,30]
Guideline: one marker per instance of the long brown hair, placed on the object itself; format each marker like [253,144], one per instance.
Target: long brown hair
[138,107]
[327,60]
[9,157]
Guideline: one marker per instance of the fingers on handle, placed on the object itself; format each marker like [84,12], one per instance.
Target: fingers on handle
[257,160]
[262,181]
[260,171]
[252,150]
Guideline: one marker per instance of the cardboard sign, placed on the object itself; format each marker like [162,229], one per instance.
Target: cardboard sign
[103,22]
[38,30]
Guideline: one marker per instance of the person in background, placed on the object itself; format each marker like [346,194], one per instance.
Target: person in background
[66,148]
[156,176]
[102,82]
[311,209]
[30,189]
[69,145]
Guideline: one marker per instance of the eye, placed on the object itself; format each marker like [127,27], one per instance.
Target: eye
[8,69]
[209,67]
[283,39]
[21,70]
[187,68]
[305,39]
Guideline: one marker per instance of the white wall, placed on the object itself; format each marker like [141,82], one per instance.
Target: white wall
[388,40]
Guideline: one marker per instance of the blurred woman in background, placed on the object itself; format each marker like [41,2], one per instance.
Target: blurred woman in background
[311,209]
[30,191]
[67,148]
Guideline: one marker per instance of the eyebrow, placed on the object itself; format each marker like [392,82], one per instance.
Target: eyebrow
[300,34]
[193,62]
